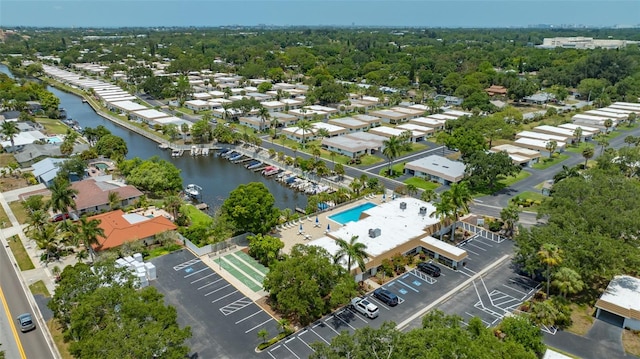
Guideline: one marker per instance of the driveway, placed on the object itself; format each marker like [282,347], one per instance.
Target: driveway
[602,341]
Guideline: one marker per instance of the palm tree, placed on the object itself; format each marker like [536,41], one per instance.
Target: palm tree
[567,281]
[10,129]
[355,186]
[460,196]
[36,221]
[587,153]
[82,255]
[46,239]
[62,195]
[323,132]
[306,127]
[630,140]
[412,190]
[68,233]
[510,215]
[355,251]
[315,151]
[551,147]
[577,133]
[551,256]
[89,232]
[392,149]
[264,115]
[567,172]
[608,123]
[602,140]
[429,195]
[114,200]
[443,210]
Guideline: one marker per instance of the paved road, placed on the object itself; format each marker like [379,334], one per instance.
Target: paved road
[33,342]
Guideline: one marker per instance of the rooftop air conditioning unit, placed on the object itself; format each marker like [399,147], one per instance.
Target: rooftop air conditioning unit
[374,232]
[423,211]
[403,205]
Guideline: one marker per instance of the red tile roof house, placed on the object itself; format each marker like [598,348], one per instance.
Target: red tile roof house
[93,195]
[120,227]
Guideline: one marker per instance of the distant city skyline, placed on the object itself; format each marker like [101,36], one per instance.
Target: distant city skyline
[387,13]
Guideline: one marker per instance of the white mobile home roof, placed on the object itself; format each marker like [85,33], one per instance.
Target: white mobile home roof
[573,126]
[128,105]
[555,130]
[151,114]
[442,117]
[329,127]
[622,297]
[598,119]
[457,113]
[542,136]
[628,104]
[414,127]
[388,132]
[439,166]
[532,142]
[611,115]
[427,122]
[628,108]
[615,110]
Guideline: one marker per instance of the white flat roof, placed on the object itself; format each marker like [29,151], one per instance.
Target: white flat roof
[327,126]
[623,291]
[128,105]
[457,113]
[272,103]
[555,130]
[389,131]
[397,226]
[573,126]
[542,136]
[442,166]
[151,114]
[532,142]
[613,115]
[512,150]
[426,121]
[414,127]
[197,103]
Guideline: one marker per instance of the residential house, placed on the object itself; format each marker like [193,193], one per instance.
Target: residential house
[355,144]
[436,168]
[120,228]
[93,194]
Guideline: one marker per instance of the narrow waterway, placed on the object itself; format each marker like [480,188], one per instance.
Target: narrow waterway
[215,175]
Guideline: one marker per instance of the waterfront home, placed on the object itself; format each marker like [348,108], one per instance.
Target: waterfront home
[93,194]
[120,228]
[147,116]
[125,107]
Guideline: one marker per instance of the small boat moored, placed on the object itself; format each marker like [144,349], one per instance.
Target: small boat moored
[193,190]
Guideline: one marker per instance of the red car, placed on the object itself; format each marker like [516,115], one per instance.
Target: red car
[60,217]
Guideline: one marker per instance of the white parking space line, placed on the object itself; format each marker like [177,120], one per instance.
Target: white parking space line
[235,306]
[511,299]
[221,288]
[473,245]
[319,336]
[480,240]
[465,273]
[380,304]
[208,284]
[205,277]
[285,345]
[224,296]
[342,320]
[196,272]
[472,252]
[357,315]
[269,352]
[423,276]
[305,343]
[247,317]
[408,286]
[514,289]
[261,324]
[185,264]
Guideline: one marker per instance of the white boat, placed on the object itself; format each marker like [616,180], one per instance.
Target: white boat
[177,153]
[163,146]
[193,190]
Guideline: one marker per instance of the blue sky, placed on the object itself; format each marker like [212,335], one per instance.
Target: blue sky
[420,13]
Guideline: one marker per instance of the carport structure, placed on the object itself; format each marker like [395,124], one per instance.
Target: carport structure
[621,302]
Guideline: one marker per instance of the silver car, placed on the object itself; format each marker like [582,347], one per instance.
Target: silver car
[26,322]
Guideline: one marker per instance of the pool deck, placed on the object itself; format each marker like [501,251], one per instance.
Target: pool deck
[310,230]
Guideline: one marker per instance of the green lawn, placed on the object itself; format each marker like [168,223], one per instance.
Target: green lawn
[196,216]
[397,168]
[579,147]
[4,219]
[529,196]
[39,288]
[18,250]
[52,126]
[368,160]
[19,211]
[548,162]
[422,183]
[508,181]
[185,110]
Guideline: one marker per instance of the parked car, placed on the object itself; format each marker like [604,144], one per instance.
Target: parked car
[364,307]
[429,268]
[60,217]
[25,322]
[386,297]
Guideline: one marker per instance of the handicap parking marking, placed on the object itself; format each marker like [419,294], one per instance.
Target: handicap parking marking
[191,272]
[235,306]
[416,283]
[408,286]
[186,264]
[403,291]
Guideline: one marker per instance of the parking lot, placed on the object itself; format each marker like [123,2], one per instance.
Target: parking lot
[224,322]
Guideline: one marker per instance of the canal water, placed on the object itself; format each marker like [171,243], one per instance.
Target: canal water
[217,176]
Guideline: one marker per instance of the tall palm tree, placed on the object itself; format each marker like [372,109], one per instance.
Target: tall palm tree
[443,210]
[392,149]
[551,146]
[47,240]
[173,205]
[36,221]
[429,195]
[114,200]
[10,129]
[89,232]
[412,189]
[460,197]
[551,256]
[354,250]
[306,127]
[608,123]
[62,195]
[587,153]
[67,232]
[264,115]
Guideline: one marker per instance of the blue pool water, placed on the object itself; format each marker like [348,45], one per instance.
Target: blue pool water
[352,214]
[54,139]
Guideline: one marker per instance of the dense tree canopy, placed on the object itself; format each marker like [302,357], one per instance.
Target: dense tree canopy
[251,208]
[111,146]
[307,284]
[441,336]
[154,175]
[485,169]
[102,312]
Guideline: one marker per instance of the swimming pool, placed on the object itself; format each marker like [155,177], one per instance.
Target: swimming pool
[54,140]
[101,166]
[351,214]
